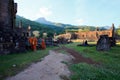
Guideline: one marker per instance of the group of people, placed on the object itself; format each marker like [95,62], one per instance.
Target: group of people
[33,43]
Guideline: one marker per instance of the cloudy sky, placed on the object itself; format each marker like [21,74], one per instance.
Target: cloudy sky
[77,12]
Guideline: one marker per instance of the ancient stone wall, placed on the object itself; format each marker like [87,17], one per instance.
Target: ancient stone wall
[94,35]
[8,11]
[91,35]
[67,35]
[6,14]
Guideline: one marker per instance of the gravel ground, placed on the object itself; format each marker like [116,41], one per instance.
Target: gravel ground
[50,68]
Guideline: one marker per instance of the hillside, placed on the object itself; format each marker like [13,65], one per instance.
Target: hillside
[50,29]
[42,20]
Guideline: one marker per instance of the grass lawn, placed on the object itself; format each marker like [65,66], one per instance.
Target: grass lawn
[13,63]
[109,69]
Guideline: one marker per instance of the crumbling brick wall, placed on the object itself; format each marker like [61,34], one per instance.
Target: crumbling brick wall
[91,35]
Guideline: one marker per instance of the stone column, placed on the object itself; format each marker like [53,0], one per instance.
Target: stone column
[7,14]
[8,11]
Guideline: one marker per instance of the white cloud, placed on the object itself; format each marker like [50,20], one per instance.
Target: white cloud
[79,21]
[44,12]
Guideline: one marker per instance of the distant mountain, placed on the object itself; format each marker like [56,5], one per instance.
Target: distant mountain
[63,25]
[42,20]
[106,27]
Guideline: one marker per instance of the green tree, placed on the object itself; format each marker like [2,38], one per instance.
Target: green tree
[118,31]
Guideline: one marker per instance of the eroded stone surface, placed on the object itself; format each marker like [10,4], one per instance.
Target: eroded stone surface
[103,43]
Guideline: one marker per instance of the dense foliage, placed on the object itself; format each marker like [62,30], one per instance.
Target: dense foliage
[118,31]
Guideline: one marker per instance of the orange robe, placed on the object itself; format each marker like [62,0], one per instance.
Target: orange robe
[33,43]
[43,45]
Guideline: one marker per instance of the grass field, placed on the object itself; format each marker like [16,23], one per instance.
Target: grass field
[13,63]
[109,68]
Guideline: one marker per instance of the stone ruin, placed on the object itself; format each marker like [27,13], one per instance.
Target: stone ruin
[105,43]
[89,35]
[63,38]
[11,37]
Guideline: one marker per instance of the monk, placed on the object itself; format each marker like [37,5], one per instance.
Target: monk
[33,43]
[43,45]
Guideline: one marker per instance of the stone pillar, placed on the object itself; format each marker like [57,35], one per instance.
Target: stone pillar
[4,15]
[20,24]
[113,31]
[8,10]
[29,31]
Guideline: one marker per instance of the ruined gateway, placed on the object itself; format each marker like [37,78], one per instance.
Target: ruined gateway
[89,35]
[10,35]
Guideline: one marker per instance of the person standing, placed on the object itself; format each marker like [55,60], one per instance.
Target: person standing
[43,45]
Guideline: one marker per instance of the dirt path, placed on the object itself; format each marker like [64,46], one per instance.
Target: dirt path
[77,57]
[50,68]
